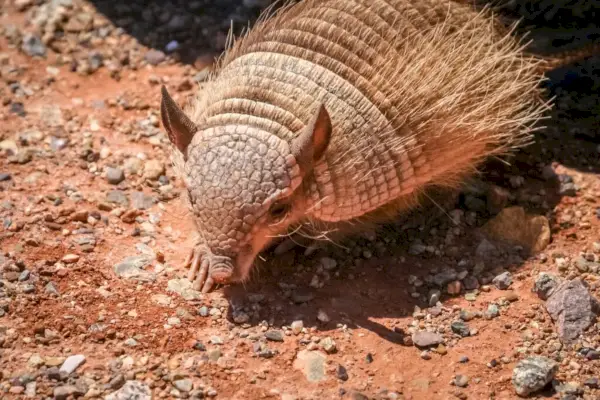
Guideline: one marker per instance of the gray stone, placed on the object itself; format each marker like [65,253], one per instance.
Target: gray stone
[426,339]
[312,365]
[141,201]
[297,327]
[33,46]
[492,312]
[503,281]
[545,284]
[117,197]
[274,336]
[132,268]
[445,276]
[154,57]
[460,328]
[131,390]
[63,392]
[184,385]
[114,176]
[533,374]
[572,308]
[183,287]
[72,363]
[461,381]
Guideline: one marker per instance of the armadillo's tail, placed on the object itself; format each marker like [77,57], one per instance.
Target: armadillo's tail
[548,63]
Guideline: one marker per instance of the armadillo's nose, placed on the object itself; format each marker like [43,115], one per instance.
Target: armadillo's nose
[222,273]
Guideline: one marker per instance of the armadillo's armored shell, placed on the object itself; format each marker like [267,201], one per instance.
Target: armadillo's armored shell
[418,92]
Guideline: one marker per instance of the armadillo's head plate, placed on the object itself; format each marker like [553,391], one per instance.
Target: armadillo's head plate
[240,183]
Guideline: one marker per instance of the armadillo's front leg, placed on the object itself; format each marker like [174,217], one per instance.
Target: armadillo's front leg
[199,272]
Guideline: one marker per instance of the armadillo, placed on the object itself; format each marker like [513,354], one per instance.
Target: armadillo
[335,111]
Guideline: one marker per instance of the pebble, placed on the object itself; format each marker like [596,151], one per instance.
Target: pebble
[72,363]
[153,169]
[141,201]
[328,344]
[492,311]
[63,392]
[114,176]
[33,46]
[132,268]
[503,281]
[461,381]
[131,390]
[302,296]
[312,365]
[460,328]
[426,339]
[341,373]
[297,327]
[70,258]
[274,335]
[155,57]
[545,284]
[184,385]
[533,374]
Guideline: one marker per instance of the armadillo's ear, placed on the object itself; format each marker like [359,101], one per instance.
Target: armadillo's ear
[178,126]
[310,145]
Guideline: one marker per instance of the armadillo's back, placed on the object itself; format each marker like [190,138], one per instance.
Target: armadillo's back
[417,90]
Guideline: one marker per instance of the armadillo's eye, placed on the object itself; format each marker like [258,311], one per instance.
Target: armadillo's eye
[278,210]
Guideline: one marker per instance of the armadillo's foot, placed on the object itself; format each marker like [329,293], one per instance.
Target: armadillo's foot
[199,270]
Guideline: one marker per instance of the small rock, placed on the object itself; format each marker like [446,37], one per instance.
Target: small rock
[154,57]
[131,390]
[572,308]
[322,316]
[72,363]
[593,383]
[153,169]
[426,339]
[533,374]
[492,311]
[328,344]
[184,385]
[515,226]
[503,281]
[132,268]
[184,288]
[454,287]
[460,328]
[545,284]
[141,201]
[461,381]
[114,176]
[274,336]
[63,392]
[302,296]
[70,258]
[312,365]
[341,373]
[297,327]
[33,46]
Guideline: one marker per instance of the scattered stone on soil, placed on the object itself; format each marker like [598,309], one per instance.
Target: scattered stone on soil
[572,308]
[533,374]
[515,226]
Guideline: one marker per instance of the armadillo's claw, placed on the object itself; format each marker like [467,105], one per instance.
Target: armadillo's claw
[199,271]
[208,285]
